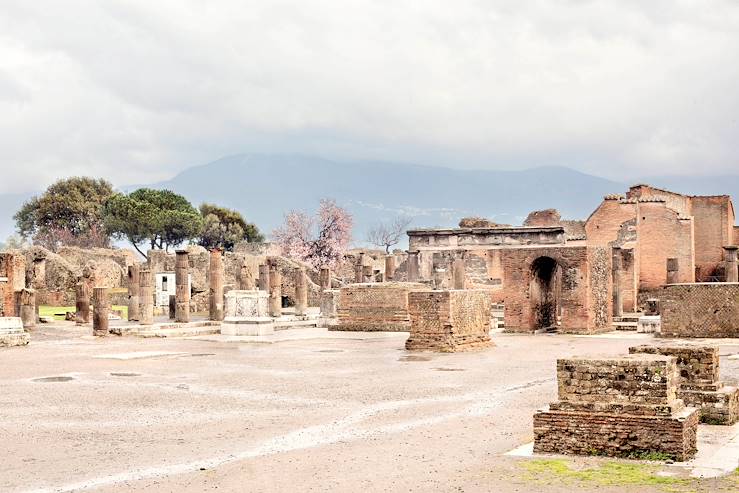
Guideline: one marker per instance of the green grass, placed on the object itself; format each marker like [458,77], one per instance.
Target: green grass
[608,474]
[58,312]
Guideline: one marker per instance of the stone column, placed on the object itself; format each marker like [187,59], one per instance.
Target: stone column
[216,285]
[458,273]
[359,269]
[616,274]
[246,279]
[368,273]
[82,303]
[412,266]
[182,286]
[101,310]
[172,306]
[25,299]
[134,281]
[325,278]
[301,292]
[673,271]
[275,291]
[730,262]
[146,297]
[264,277]
[389,267]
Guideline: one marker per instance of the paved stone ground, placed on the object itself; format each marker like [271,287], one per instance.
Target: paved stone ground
[324,414]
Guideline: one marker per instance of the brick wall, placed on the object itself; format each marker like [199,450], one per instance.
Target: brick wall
[700,310]
[714,221]
[604,224]
[375,306]
[449,321]
[13,270]
[662,235]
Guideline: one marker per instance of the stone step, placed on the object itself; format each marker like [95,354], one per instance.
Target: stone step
[625,325]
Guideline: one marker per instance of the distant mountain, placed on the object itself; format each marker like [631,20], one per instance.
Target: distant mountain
[264,187]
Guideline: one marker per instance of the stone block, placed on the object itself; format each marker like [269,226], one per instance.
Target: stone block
[449,321]
[12,333]
[247,313]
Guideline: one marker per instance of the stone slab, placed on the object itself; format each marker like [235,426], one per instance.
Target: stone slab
[247,326]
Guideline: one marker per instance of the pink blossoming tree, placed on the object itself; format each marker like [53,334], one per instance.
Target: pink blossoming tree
[316,240]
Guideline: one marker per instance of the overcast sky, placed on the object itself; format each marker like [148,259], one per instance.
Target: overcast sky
[137,90]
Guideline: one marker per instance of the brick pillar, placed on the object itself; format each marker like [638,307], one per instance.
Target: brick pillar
[100,311]
[368,274]
[359,269]
[301,292]
[146,297]
[246,279]
[264,277]
[412,266]
[389,267]
[25,300]
[134,281]
[275,291]
[82,303]
[216,285]
[458,273]
[325,278]
[673,271]
[617,274]
[182,287]
[730,262]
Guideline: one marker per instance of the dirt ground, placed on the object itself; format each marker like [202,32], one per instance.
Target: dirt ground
[345,412]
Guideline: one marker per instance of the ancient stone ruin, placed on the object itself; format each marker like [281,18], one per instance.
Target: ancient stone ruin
[449,321]
[700,310]
[623,407]
[247,313]
[700,385]
[375,306]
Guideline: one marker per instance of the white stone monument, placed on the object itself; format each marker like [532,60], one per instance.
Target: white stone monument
[12,333]
[247,314]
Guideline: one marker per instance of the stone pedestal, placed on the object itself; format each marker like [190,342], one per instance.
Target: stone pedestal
[247,313]
[134,292]
[700,385]
[329,307]
[100,311]
[620,407]
[449,321]
[649,324]
[12,333]
[182,286]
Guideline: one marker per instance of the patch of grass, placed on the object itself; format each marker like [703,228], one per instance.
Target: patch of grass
[58,312]
[608,474]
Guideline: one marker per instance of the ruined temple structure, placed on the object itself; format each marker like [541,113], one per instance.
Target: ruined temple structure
[700,385]
[622,407]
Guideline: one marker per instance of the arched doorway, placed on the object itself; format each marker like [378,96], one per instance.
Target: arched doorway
[545,290]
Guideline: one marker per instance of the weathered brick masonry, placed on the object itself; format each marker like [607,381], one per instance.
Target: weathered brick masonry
[700,310]
[622,407]
[12,279]
[375,306]
[449,321]
[700,385]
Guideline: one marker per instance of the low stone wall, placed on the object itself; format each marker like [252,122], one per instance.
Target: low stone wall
[375,306]
[449,321]
[700,310]
[621,407]
[700,385]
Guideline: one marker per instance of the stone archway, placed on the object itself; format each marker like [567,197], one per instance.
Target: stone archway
[544,293]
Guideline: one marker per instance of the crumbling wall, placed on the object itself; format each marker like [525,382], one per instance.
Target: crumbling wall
[700,310]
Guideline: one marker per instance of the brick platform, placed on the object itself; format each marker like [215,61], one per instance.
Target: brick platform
[449,321]
[375,306]
[700,385]
[621,407]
